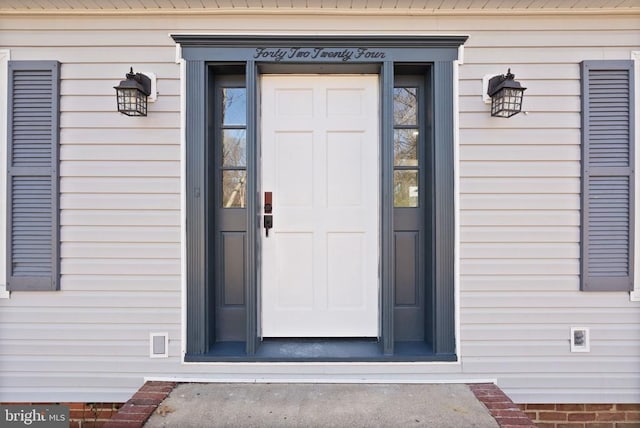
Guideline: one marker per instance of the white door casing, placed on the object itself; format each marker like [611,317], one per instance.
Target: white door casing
[320,146]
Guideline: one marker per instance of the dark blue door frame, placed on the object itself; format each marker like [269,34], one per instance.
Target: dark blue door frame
[325,54]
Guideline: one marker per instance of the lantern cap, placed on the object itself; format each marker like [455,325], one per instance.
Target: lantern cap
[137,81]
[503,81]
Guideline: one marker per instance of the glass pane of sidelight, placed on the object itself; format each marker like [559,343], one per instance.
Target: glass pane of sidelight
[405,188]
[405,147]
[234,147]
[234,189]
[234,106]
[405,106]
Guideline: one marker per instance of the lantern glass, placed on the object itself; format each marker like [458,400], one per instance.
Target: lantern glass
[132,102]
[506,102]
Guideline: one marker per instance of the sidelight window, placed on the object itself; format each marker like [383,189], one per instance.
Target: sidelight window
[234,147]
[405,147]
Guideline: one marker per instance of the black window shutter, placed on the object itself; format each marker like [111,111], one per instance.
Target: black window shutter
[607,175]
[32,184]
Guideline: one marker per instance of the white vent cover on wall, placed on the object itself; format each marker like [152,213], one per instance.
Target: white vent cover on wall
[159,345]
[580,339]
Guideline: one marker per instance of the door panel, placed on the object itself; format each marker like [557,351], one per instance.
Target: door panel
[320,160]
[346,285]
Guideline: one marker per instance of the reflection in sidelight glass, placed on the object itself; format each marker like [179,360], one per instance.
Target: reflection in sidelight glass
[234,147]
[234,188]
[406,139]
[405,106]
[405,188]
[233,161]
[405,147]
[234,106]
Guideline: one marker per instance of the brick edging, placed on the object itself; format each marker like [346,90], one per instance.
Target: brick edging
[135,412]
[601,415]
[503,410]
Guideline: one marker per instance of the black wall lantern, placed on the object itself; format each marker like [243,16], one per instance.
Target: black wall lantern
[132,94]
[506,95]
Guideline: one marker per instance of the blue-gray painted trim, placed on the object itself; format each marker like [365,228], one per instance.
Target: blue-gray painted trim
[395,48]
[197,322]
[253,216]
[369,41]
[320,350]
[204,358]
[444,229]
[387,256]
[36,282]
[616,281]
[438,50]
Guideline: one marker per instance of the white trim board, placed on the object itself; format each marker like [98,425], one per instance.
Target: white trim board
[635,294]
[183,206]
[456,199]
[5,56]
[201,379]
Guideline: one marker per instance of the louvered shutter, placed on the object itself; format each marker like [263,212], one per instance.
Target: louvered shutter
[608,177]
[32,190]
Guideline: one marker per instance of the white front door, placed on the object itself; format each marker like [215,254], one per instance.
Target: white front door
[320,161]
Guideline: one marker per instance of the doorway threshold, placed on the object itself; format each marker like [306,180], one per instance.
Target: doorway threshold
[320,350]
[314,349]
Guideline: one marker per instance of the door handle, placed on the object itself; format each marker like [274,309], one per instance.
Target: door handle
[268,208]
[268,223]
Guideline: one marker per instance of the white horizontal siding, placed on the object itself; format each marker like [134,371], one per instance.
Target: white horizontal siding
[91,332]
[519,169]
[518,267]
[122,267]
[158,120]
[506,333]
[520,218]
[527,251]
[520,185]
[120,136]
[120,234]
[544,316]
[119,201]
[142,186]
[160,38]
[536,136]
[530,71]
[90,315]
[503,152]
[519,201]
[522,234]
[520,293]
[518,55]
[92,168]
[156,250]
[107,217]
[89,54]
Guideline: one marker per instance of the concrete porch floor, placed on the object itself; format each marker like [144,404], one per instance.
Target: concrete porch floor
[159,404]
